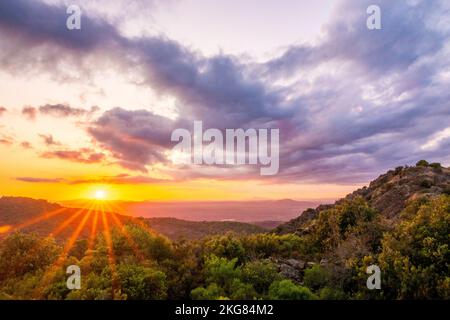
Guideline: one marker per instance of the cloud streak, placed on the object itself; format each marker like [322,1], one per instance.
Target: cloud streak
[64,110]
[38,180]
[84,155]
[49,140]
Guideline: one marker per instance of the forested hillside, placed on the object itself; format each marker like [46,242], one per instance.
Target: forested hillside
[401,223]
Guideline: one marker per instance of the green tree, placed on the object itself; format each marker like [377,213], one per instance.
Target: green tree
[221,271]
[228,246]
[142,283]
[316,277]
[261,274]
[26,253]
[212,292]
[414,259]
[287,290]
[422,163]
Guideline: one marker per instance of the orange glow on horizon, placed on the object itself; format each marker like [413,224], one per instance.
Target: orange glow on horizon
[5,228]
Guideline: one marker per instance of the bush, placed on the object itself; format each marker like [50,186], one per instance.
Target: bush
[350,213]
[260,273]
[26,253]
[447,190]
[242,291]
[316,277]
[436,165]
[415,255]
[422,163]
[141,283]
[331,294]
[221,271]
[212,292]
[426,183]
[287,290]
[398,170]
[228,246]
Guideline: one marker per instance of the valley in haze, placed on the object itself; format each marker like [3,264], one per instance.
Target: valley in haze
[261,212]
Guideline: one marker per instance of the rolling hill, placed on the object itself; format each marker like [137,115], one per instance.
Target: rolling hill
[44,218]
[389,194]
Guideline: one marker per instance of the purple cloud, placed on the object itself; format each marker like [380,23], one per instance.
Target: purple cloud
[356,103]
[135,138]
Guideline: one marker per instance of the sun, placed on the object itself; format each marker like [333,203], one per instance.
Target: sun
[100,195]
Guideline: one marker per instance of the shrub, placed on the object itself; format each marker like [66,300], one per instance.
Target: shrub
[142,283]
[212,292]
[422,163]
[447,190]
[221,271]
[287,290]
[331,294]
[316,277]
[26,253]
[436,165]
[414,258]
[398,170]
[260,273]
[426,183]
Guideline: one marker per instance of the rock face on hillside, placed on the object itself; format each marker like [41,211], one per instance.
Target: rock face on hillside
[388,194]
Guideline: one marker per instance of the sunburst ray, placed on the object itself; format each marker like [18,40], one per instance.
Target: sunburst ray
[133,245]
[51,273]
[111,255]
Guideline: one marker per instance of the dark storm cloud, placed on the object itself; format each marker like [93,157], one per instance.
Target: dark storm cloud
[384,97]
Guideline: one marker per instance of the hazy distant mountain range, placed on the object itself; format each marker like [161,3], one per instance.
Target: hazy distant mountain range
[276,211]
[44,219]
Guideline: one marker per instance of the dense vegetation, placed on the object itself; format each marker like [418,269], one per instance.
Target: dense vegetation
[331,257]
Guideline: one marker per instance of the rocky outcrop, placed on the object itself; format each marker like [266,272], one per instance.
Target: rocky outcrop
[388,194]
[291,268]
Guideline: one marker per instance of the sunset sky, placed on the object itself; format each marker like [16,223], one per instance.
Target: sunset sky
[83,111]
